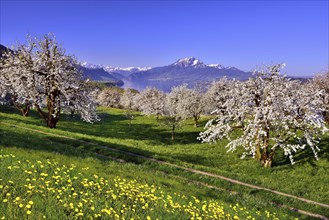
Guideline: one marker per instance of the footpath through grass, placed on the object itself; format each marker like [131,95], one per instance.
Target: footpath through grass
[307,178]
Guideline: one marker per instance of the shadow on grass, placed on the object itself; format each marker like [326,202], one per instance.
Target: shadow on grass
[111,125]
[117,126]
[305,156]
[11,136]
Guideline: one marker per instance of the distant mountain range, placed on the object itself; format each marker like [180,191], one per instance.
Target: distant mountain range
[99,74]
[187,70]
[108,73]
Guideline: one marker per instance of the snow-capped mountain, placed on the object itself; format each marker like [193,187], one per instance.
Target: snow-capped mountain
[112,69]
[188,70]
[195,63]
[189,62]
[109,73]
[218,66]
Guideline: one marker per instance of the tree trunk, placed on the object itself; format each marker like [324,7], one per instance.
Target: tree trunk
[267,163]
[72,113]
[266,158]
[53,113]
[196,118]
[173,133]
[258,153]
[326,116]
[24,108]
[51,122]
[25,111]
[52,116]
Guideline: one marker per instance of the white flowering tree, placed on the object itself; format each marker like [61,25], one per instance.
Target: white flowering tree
[15,73]
[110,97]
[217,94]
[128,102]
[176,108]
[151,101]
[272,112]
[42,74]
[194,105]
[321,82]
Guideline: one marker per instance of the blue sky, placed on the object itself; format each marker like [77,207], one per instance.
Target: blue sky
[244,34]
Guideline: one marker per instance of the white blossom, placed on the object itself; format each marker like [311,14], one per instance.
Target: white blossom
[42,74]
[151,101]
[272,112]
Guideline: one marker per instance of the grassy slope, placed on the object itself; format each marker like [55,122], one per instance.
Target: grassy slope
[307,178]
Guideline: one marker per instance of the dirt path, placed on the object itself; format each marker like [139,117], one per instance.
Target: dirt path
[188,169]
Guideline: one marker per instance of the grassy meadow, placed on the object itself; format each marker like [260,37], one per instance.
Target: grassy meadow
[46,176]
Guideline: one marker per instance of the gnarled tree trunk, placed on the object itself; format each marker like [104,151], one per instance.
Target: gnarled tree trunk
[23,108]
[52,116]
[26,110]
[196,119]
[264,154]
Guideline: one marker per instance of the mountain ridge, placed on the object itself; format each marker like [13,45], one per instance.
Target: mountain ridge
[189,70]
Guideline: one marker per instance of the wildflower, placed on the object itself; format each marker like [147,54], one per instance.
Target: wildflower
[79,214]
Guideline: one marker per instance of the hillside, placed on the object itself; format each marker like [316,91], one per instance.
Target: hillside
[87,149]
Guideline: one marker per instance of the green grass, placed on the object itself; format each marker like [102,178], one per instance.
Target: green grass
[307,178]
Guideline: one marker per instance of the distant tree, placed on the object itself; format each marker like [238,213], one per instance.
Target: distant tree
[151,101]
[190,103]
[176,108]
[127,101]
[217,94]
[42,74]
[321,82]
[272,112]
[110,97]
